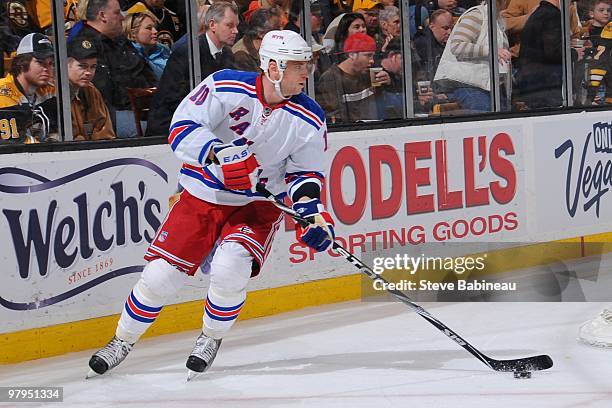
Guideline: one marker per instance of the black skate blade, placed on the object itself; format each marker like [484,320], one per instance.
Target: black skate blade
[535,363]
[98,365]
[196,364]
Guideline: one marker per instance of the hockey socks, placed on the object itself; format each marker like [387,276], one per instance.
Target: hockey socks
[159,280]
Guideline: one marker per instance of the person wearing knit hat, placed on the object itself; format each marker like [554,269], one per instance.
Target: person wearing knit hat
[346,91]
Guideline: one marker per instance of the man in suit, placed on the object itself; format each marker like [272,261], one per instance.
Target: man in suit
[221,22]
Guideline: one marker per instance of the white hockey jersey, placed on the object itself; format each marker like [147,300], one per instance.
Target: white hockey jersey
[288,140]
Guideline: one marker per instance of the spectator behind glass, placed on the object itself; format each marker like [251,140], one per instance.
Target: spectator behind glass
[599,16]
[221,21]
[346,92]
[369,9]
[141,30]
[389,19]
[246,51]
[120,66]
[284,7]
[28,106]
[202,9]
[463,71]
[168,24]
[351,23]
[90,117]
[601,69]
[391,103]
[540,75]
[516,15]
[430,44]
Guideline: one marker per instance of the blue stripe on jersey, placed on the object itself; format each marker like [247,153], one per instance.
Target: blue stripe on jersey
[144,307]
[307,103]
[199,177]
[226,88]
[301,116]
[221,319]
[179,138]
[205,150]
[234,75]
[136,317]
[305,173]
[222,308]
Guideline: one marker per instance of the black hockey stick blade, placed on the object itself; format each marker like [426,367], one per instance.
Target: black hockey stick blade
[535,363]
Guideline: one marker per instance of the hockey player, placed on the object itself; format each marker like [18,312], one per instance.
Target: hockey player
[233,130]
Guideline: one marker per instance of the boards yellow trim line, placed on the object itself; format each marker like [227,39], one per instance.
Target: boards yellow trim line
[92,333]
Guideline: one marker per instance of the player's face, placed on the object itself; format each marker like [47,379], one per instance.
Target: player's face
[226,29]
[357,26]
[81,72]
[40,72]
[147,32]
[601,13]
[294,77]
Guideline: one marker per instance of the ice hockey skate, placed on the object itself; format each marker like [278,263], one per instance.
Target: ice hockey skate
[202,355]
[598,331]
[108,357]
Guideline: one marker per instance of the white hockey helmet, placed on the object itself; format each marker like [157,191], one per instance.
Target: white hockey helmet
[283,46]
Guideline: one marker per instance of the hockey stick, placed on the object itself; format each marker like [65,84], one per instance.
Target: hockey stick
[535,363]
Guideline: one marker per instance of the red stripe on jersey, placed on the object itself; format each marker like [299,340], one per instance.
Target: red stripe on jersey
[140,312]
[306,112]
[175,132]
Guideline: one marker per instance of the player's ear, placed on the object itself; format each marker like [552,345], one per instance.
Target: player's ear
[273,70]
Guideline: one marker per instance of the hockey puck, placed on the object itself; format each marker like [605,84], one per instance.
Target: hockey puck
[522,374]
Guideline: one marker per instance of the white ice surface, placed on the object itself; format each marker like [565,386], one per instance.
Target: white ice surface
[353,354]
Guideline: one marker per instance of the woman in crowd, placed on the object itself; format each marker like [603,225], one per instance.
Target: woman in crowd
[350,23]
[463,72]
[141,30]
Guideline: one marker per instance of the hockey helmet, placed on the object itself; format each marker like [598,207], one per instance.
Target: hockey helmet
[283,46]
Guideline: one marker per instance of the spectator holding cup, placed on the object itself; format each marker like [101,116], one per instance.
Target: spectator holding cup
[348,91]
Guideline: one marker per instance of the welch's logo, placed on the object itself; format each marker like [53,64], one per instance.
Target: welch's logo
[66,224]
[589,176]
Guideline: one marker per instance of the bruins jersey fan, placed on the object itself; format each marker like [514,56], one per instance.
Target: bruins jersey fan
[28,106]
[21,16]
[169,28]
[24,120]
[601,66]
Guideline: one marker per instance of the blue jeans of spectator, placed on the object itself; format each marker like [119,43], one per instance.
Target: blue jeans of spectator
[473,99]
[126,124]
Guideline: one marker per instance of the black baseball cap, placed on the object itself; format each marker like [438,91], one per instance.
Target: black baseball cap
[81,49]
[36,44]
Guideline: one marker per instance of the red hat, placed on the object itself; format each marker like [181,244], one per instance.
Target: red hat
[359,42]
[253,7]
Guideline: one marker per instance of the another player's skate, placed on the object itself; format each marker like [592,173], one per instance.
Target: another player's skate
[597,332]
[202,356]
[108,356]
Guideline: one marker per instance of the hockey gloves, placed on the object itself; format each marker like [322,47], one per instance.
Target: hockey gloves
[238,165]
[320,234]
